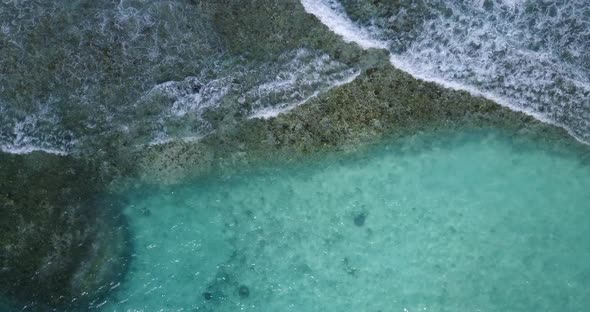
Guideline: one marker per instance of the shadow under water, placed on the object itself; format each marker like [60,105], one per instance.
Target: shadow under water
[65,246]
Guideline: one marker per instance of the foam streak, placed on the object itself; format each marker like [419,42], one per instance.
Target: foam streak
[417,61]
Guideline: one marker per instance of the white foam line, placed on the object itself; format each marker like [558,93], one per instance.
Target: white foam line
[30,149]
[272,112]
[335,18]
[416,73]
[331,14]
[187,139]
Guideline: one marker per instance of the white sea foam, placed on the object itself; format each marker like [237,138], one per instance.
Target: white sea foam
[494,54]
[506,102]
[192,95]
[261,92]
[302,76]
[32,133]
[163,138]
[185,101]
[332,14]
[271,112]
[27,149]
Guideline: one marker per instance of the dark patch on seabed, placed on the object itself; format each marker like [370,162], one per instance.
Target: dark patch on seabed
[62,245]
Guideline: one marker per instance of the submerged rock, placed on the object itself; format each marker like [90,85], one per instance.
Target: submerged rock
[207,295]
[244,291]
[61,246]
[360,218]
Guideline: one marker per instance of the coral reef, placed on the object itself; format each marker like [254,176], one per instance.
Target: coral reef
[381,102]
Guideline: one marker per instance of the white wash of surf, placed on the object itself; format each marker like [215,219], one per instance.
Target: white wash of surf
[31,133]
[176,108]
[332,14]
[529,79]
[146,41]
[272,112]
[305,76]
[264,92]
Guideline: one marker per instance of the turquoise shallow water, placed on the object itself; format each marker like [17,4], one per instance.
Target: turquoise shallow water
[475,221]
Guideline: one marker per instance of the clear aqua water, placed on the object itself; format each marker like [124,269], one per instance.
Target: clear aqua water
[475,221]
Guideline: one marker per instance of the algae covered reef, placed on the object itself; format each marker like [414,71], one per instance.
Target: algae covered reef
[159,93]
[383,102]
